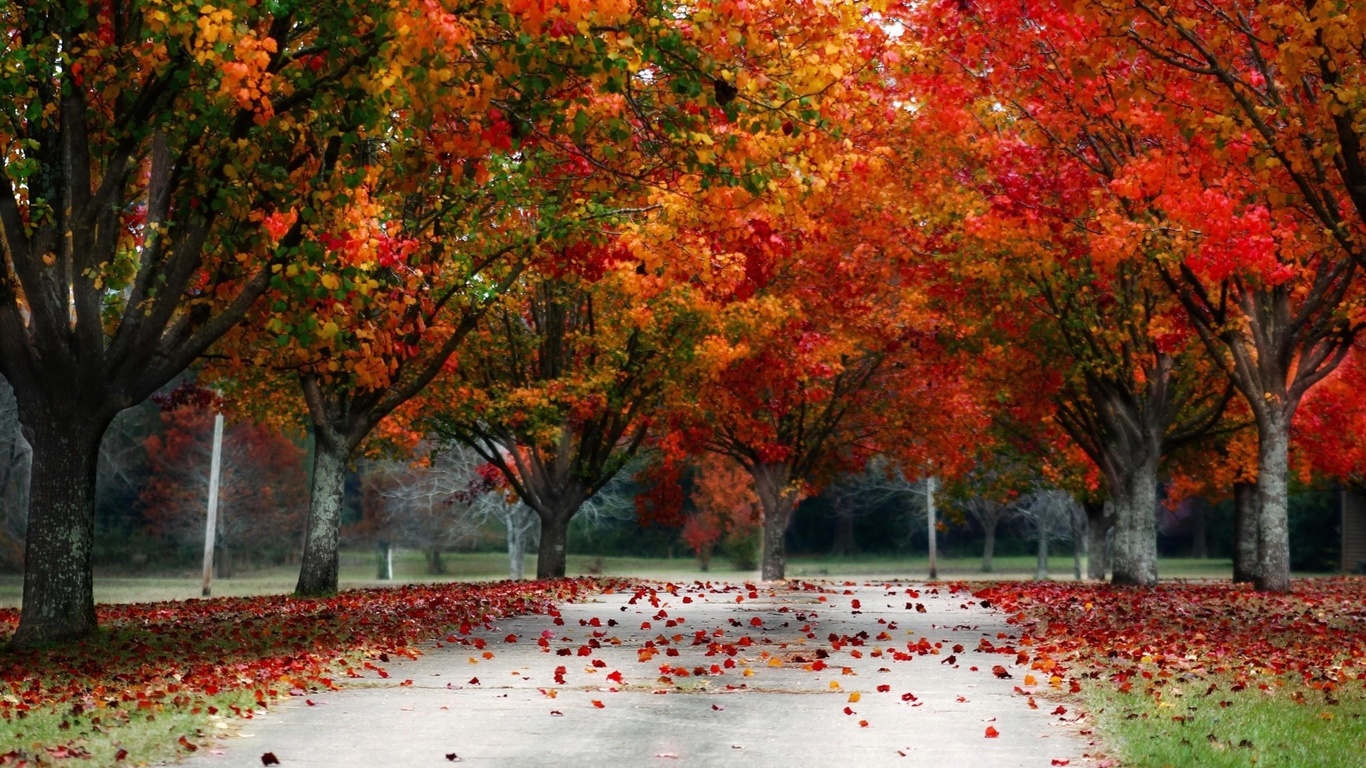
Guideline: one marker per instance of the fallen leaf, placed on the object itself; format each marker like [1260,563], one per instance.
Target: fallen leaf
[269,758]
[992,732]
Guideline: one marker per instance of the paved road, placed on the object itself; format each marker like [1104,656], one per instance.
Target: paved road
[703,675]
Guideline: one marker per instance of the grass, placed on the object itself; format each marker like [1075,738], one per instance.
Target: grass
[358,572]
[161,679]
[1285,726]
[1205,673]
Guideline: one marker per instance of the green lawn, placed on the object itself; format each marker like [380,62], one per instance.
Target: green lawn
[358,570]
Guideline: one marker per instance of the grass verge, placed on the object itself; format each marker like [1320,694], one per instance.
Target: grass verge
[1205,674]
[161,679]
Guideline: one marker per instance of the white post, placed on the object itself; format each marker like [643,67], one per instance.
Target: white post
[211,525]
[929,507]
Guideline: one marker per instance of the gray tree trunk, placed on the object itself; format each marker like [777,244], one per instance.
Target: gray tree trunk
[1099,520]
[1041,555]
[384,554]
[318,572]
[771,482]
[550,560]
[59,601]
[1273,526]
[989,546]
[1244,533]
[1135,505]
[516,548]
[1078,543]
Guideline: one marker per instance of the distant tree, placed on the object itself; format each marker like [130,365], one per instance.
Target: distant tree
[726,512]
[15,457]
[262,484]
[428,504]
[1048,515]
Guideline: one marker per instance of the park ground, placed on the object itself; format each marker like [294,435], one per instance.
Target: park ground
[1196,672]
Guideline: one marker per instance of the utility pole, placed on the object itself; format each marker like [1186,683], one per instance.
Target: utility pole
[211,525]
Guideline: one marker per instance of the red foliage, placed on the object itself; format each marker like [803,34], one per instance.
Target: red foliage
[1142,637]
[153,657]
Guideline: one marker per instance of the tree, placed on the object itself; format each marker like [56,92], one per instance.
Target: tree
[1048,515]
[144,145]
[559,387]
[428,504]
[14,469]
[726,512]
[1265,285]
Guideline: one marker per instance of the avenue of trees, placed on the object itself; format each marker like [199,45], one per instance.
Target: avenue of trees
[1046,256]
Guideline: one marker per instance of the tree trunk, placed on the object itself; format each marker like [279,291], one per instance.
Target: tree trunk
[516,548]
[1135,502]
[1041,555]
[318,571]
[435,565]
[771,482]
[59,598]
[1098,524]
[550,559]
[1078,543]
[1244,533]
[1273,528]
[989,547]
[384,555]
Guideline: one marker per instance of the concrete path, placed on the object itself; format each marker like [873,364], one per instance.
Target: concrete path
[703,675]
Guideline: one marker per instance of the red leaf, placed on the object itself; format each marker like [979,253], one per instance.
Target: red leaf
[599,704]
[473,681]
[120,755]
[992,732]
[184,742]
[1061,710]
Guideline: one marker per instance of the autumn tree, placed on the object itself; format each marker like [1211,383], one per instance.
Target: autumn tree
[726,511]
[1264,286]
[560,384]
[145,142]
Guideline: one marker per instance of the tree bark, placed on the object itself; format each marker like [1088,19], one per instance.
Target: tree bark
[1098,523]
[550,560]
[1273,527]
[1244,533]
[435,565]
[59,602]
[384,554]
[1041,555]
[1078,544]
[989,546]
[319,570]
[516,548]
[772,483]
[1135,505]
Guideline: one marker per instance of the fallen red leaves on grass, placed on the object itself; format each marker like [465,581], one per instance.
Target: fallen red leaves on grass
[1074,632]
[150,657]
